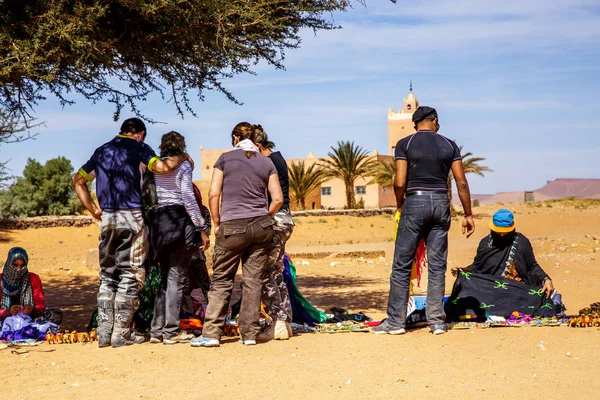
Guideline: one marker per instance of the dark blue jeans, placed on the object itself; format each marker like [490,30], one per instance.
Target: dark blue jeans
[423,216]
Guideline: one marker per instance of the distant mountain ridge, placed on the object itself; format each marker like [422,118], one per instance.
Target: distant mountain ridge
[556,189]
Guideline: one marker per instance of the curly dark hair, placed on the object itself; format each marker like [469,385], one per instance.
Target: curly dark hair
[172,143]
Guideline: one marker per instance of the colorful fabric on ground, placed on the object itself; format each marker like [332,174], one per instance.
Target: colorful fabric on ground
[477,296]
[303,312]
[510,323]
[21,327]
[416,309]
[341,327]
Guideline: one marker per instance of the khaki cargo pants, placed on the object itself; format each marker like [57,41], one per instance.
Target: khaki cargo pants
[247,240]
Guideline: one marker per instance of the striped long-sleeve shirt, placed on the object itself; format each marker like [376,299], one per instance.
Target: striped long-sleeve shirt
[175,188]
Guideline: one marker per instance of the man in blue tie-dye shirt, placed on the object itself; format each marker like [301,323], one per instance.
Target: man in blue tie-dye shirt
[116,166]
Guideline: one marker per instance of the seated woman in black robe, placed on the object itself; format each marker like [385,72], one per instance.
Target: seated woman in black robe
[504,277]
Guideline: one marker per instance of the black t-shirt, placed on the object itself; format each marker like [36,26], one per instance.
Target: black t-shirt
[430,157]
[282,171]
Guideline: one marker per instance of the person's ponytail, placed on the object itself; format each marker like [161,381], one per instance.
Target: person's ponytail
[259,136]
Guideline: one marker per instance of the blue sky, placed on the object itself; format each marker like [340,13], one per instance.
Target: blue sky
[516,82]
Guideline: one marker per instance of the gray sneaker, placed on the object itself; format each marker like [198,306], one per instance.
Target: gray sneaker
[182,337]
[384,328]
[438,329]
[202,341]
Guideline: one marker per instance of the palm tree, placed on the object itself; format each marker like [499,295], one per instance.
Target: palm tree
[385,174]
[348,162]
[470,166]
[303,181]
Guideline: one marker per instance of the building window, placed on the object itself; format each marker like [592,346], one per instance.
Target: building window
[408,107]
[360,190]
[326,191]
[384,190]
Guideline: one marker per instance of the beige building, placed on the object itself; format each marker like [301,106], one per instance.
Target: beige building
[400,123]
[332,193]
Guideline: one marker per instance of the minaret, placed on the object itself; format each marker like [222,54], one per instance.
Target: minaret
[410,103]
[400,123]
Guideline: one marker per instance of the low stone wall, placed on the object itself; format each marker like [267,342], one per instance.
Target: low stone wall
[46,222]
[353,213]
[79,221]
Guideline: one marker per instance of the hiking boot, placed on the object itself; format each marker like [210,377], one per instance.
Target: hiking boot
[281,331]
[122,334]
[182,337]
[202,341]
[438,329]
[106,304]
[384,328]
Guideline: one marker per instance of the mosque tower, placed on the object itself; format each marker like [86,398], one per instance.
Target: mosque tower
[400,123]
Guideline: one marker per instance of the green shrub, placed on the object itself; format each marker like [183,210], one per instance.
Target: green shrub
[42,190]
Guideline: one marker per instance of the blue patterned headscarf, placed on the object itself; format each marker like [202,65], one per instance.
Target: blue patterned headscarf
[16,285]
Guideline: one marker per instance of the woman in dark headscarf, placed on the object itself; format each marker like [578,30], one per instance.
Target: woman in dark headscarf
[509,254]
[504,277]
[21,290]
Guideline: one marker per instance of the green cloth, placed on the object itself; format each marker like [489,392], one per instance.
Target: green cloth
[312,311]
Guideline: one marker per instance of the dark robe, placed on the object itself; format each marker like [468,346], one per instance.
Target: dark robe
[485,291]
[493,252]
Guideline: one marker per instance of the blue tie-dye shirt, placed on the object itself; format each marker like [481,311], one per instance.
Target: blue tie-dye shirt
[116,168]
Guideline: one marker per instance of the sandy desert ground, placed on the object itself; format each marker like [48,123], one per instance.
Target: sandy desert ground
[548,363]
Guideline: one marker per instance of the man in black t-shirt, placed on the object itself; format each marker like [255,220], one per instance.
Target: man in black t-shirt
[423,162]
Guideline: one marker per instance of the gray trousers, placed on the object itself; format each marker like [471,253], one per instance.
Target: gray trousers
[174,261]
[123,250]
[248,240]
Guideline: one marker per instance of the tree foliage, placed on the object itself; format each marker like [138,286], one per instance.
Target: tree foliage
[173,47]
[348,162]
[384,174]
[42,190]
[303,181]
[12,130]
[471,165]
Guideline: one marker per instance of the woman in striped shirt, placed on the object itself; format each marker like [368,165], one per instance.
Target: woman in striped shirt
[176,226]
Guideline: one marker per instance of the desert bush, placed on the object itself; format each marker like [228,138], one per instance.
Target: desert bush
[42,190]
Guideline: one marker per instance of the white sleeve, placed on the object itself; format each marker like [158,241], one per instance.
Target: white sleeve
[184,184]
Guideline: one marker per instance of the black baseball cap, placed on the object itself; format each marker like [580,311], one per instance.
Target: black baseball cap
[423,113]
